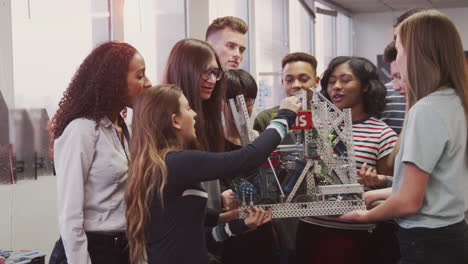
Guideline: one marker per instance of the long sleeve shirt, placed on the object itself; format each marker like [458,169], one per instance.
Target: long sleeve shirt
[92,168]
[176,230]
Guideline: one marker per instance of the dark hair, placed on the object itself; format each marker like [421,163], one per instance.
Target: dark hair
[407,14]
[390,52]
[366,72]
[240,82]
[299,56]
[97,89]
[231,22]
[186,62]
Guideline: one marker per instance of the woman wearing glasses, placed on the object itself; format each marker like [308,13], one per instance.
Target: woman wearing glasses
[195,68]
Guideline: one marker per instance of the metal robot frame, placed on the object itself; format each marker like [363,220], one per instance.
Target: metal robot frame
[327,119]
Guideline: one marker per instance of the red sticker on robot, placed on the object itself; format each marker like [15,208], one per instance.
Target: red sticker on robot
[303,121]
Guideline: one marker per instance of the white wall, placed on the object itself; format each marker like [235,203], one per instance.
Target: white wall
[6,58]
[373,31]
[140,31]
[29,215]
[198,18]
[48,46]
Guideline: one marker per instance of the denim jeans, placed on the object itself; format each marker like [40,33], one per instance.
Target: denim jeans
[438,245]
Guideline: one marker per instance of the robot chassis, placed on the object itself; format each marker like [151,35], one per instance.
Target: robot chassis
[327,120]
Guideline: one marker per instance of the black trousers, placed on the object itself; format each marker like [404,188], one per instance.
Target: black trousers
[318,244]
[102,248]
[438,245]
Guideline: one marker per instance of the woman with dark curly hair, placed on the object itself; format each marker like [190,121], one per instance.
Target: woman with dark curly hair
[90,143]
[351,82]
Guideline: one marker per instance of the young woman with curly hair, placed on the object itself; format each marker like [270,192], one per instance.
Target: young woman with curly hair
[353,82]
[165,202]
[350,82]
[90,145]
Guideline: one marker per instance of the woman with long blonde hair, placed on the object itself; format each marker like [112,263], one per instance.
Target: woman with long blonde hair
[165,201]
[431,168]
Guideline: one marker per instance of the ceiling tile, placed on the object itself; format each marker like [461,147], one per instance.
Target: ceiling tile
[461,2]
[401,6]
[390,2]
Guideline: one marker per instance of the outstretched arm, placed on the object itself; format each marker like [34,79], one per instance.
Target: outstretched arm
[408,200]
[188,167]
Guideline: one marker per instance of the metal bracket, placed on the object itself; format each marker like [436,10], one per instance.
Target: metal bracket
[337,191]
[321,208]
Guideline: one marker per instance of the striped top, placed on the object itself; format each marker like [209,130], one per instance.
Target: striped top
[373,140]
[394,111]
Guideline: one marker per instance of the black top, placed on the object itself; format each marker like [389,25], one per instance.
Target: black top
[254,247]
[176,232]
[226,182]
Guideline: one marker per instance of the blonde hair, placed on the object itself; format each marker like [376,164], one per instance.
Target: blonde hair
[153,137]
[435,56]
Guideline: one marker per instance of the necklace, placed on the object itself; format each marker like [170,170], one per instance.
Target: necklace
[119,131]
[122,134]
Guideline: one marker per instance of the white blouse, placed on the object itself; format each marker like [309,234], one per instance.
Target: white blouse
[92,169]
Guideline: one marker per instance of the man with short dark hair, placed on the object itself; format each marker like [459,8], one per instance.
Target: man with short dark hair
[227,37]
[394,112]
[299,72]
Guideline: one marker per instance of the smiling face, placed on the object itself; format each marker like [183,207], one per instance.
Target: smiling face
[230,47]
[184,121]
[346,91]
[136,79]
[299,75]
[207,86]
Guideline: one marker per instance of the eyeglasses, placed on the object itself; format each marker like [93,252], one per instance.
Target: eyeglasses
[249,102]
[206,75]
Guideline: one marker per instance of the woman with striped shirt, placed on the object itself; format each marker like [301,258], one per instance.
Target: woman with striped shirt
[351,82]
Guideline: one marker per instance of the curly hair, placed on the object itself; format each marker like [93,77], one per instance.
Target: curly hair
[98,87]
[366,72]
